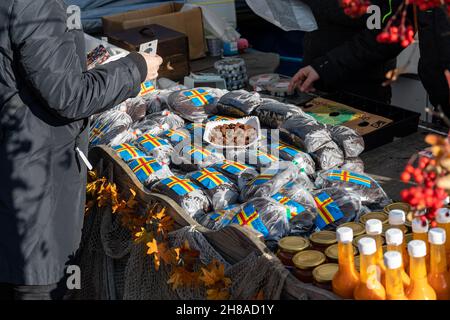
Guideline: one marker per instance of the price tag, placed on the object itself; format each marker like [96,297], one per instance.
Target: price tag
[149,47]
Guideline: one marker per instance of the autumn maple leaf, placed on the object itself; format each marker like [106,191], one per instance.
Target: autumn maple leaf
[182,278]
[143,236]
[214,273]
[153,250]
[165,225]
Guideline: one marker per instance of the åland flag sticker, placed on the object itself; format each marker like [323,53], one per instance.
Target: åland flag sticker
[233,167]
[150,142]
[210,178]
[295,207]
[347,176]
[199,97]
[146,88]
[250,217]
[329,211]
[143,168]
[128,152]
[179,185]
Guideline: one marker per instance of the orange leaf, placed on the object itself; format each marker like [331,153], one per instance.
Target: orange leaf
[153,250]
[213,273]
[218,294]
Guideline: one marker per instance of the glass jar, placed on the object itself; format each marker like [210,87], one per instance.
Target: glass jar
[355,240]
[358,228]
[323,275]
[288,247]
[321,240]
[305,262]
[382,216]
[332,253]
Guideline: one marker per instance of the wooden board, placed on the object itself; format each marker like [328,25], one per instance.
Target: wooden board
[234,242]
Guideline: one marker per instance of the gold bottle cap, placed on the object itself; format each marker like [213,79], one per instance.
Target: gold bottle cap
[293,244]
[308,259]
[397,205]
[355,241]
[358,228]
[325,272]
[383,217]
[332,252]
[323,237]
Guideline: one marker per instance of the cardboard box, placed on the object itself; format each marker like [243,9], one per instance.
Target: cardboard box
[334,113]
[173,47]
[168,15]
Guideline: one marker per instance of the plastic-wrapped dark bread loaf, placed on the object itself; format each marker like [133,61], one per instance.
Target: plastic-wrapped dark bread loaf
[273,114]
[107,126]
[238,104]
[329,156]
[156,147]
[348,139]
[237,172]
[148,170]
[192,157]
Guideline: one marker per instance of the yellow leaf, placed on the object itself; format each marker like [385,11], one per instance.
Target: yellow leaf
[153,250]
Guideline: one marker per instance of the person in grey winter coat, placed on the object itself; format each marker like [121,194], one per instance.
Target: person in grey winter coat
[46,97]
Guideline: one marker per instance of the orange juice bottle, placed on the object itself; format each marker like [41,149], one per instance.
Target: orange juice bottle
[420,232]
[374,228]
[369,287]
[347,278]
[397,219]
[394,268]
[394,241]
[438,277]
[420,288]
[443,221]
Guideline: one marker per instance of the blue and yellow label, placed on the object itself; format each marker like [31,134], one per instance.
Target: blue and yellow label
[196,153]
[210,178]
[150,142]
[265,158]
[221,118]
[98,131]
[296,208]
[180,186]
[347,176]
[128,152]
[176,136]
[233,167]
[146,88]
[250,217]
[143,168]
[329,211]
[199,97]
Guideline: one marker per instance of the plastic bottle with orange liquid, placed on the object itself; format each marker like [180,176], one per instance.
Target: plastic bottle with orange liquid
[369,287]
[438,277]
[347,278]
[394,268]
[443,221]
[394,241]
[420,288]
[374,228]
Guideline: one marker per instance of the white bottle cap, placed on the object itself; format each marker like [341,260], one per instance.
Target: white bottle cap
[344,234]
[417,249]
[447,200]
[436,236]
[374,227]
[393,259]
[367,246]
[397,217]
[394,237]
[418,227]
[443,216]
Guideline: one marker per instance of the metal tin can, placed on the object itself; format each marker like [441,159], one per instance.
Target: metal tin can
[288,247]
[323,275]
[322,240]
[305,262]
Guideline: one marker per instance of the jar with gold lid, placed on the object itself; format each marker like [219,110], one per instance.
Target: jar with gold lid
[357,227]
[288,247]
[321,240]
[382,216]
[355,240]
[332,253]
[323,275]
[305,262]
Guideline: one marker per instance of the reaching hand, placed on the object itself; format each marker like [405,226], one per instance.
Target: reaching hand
[153,64]
[304,80]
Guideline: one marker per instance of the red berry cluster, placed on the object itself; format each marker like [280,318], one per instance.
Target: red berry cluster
[426,195]
[403,35]
[424,5]
[355,8]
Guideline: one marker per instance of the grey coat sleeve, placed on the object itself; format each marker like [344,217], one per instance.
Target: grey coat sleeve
[49,62]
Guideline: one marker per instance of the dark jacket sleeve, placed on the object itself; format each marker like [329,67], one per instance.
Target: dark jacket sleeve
[353,56]
[48,58]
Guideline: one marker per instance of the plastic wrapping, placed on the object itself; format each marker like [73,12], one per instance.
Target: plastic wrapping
[257,158]
[237,172]
[220,118]
[155,147]
[167,120]
[291,153]
[220,219]
[329,156]
[335,207]
[348,139]
[107,126]
[196,130]
[220,190]
[193,157]
[266,216]
[177,136]
[194,104]
[239,103]
[128,152]
[269,182]
[354,164]
[136,108]
[369,191]
[148,170]
[305,132]
[186,193]
[273,114]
